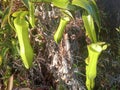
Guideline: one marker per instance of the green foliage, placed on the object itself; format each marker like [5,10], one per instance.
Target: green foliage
[31,14]
[21,29]
[90,16]
[2,54]
[90,7]
[5,17]
[89,27]
[6,45]
[21,26]
[61,3]
[26,3]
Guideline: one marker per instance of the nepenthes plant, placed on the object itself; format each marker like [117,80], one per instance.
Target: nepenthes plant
[16,17]
[21,29]
[91,19]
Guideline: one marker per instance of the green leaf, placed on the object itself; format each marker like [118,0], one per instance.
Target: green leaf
[89,26]
[96,14]
[61,3]
[83,4]
[90,7]
[31,14]
[67,13]
[5,17]
[20,13]
[25,2]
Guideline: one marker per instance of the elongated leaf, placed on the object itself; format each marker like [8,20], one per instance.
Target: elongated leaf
[61,3]
[5,17]
[67,13]
[31,14]
[3,52]
[25,2]
[90,7]
[96,14]
[19,13]
[83,4]
[89,26]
